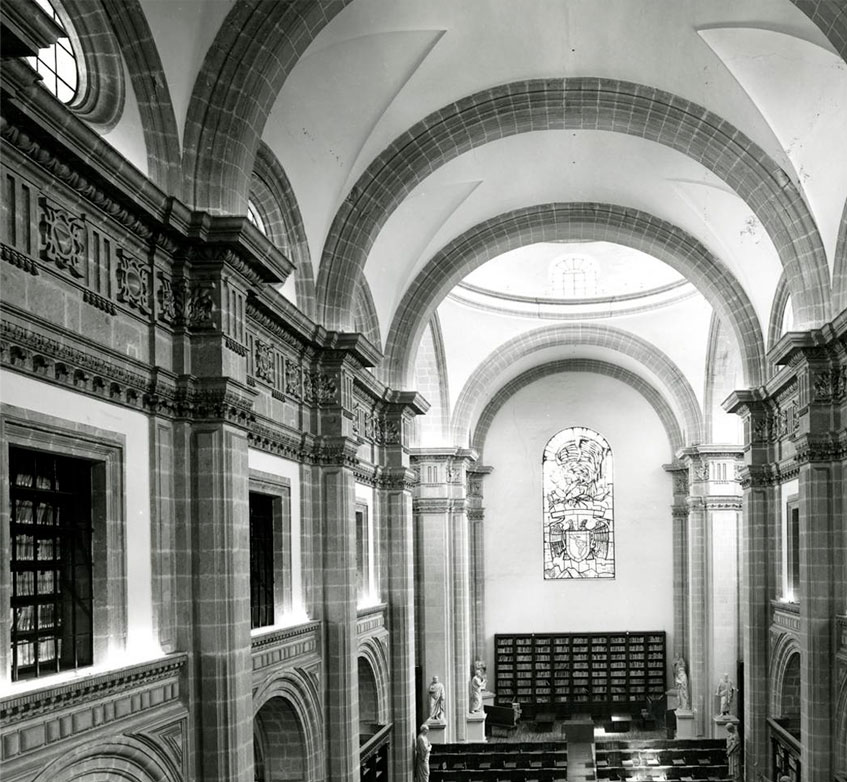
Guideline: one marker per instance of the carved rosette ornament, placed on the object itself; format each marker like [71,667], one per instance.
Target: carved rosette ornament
[264,360]
[63,238]
[132,277]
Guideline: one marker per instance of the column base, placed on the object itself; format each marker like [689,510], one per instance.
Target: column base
[685,724]
[476,726]
[437,731]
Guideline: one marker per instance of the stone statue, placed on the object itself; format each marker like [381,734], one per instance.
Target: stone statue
[733,753]
[726,691]
[478,683]
[422,750]
[681,681]
[436,700]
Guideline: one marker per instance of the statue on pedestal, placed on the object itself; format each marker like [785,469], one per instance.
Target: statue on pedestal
[726,691]
[422,750]
[680,678]
[478,683]
[733,753]
[436,700]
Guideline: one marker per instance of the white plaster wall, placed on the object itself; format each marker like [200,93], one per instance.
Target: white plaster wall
[127,137]
[29,394]
[517,598]
[365,495]
[285,468]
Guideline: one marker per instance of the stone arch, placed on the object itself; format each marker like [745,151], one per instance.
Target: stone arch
[781,300]
[574,104]
[830,20]
[158,120]
[575,221]
[431,381]
[373,663]
[273,193]
[125,758]
[839,274]
[647,390]
[785,660]
[720,372]
[287,724]
[489,370]
[365,318]
[256,48]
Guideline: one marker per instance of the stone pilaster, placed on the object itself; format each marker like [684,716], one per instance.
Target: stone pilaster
[476,517]
[714,507]
[759,508]
[220,589]
[818,361]
[397,530]
[443,570]
[679,513]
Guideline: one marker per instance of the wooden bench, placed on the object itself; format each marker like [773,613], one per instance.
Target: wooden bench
[501,717]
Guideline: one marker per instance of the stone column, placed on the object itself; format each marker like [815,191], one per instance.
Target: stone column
[442,569]
[397,531]
[759,508]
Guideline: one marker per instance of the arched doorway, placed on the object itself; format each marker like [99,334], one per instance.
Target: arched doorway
[279,745]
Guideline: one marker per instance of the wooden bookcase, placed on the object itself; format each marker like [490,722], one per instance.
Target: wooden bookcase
[597,673]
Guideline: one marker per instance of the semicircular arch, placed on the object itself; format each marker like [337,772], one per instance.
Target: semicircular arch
[506,355]
[373,652]
[782,655]
[583,103]
[126,758]
[653,396]
[575,222]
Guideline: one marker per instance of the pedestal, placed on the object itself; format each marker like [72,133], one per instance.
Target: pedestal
[685,724]
[476,726]
[719,724]
[672,696]
[437,731]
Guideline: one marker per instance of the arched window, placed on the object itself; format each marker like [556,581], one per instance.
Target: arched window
[578,485]
[573,277]
[57,64]
[255,217]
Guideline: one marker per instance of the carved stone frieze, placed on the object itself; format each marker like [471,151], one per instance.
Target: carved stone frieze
[19,259]
[169,295]
[283,646]
[64,239]
[279,443]
[293,379]
[263,358]
[319,388]
[680,481]
[132,279]
[275,327]
[820,448]
[228,256]
[831,385]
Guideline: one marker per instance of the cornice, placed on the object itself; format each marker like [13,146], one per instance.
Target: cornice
[19,707]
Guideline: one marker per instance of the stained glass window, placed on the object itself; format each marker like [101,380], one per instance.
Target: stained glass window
[578,486]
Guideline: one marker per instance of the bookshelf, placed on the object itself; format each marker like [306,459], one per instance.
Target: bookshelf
[568,673]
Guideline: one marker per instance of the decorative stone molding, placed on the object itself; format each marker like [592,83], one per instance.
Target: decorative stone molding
[820,448]
[283,646]
[276,441]
[785,616]
[319,388]
[37,719]
[293,379]
[371,621]
[63,238]
[19,259]
[102,303]
[830,385]
[132,278]
[263,359]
